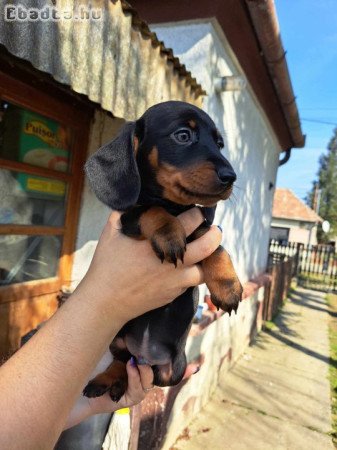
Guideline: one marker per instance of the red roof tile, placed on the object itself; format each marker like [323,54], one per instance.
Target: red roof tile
[287,206]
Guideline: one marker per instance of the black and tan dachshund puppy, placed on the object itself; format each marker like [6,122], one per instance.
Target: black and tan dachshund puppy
[157,167]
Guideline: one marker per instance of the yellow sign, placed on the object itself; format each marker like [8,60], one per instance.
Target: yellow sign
[48,186]
[123,411]
[40,129]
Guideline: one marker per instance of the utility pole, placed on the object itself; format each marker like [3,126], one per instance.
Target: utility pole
[319,195]
[316,200]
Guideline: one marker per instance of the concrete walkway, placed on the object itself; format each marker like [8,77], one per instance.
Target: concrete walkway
[277,396]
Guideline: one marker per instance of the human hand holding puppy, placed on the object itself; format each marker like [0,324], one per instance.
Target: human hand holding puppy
[153,284]
[48,373]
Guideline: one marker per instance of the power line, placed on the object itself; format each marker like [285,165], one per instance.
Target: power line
[319,121]
[318,109]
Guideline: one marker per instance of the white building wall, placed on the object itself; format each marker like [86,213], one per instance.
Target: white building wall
[284,223]
[93,214]
[299,235]
[299,231]
[252,147]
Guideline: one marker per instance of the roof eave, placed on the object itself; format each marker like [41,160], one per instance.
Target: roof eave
[145,31]
[264,19]
[298,219]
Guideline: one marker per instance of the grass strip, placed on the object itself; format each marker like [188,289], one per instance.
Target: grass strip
[332,302]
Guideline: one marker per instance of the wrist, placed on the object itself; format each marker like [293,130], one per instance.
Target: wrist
[101,405]
[110,304]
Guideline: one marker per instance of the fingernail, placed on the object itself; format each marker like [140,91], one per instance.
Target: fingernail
[133,361]
[141,361]
[219,228]
[196,370]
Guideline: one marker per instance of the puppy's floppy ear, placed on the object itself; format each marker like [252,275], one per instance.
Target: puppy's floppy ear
[113,173]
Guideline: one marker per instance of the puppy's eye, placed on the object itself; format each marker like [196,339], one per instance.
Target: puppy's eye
[182,136]
[220,143]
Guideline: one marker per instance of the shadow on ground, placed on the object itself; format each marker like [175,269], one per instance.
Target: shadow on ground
[285,319]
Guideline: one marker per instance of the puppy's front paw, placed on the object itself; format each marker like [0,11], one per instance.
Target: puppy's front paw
[169,242]
[226,293]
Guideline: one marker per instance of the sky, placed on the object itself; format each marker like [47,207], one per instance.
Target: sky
[309,36]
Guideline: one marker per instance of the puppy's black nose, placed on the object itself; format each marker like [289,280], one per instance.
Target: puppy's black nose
[227,176]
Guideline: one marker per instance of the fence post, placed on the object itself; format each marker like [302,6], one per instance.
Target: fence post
[271,296]
[299,249]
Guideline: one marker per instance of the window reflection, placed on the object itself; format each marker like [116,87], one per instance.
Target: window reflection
[31,200]
[26,258]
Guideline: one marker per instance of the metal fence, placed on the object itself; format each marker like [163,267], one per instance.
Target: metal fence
[314,266]
[281,273]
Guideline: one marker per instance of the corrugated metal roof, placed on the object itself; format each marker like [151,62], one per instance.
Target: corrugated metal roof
[116,61]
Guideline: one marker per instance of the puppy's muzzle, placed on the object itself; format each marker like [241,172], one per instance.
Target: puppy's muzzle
[227,177]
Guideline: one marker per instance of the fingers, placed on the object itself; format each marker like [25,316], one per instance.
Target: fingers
[135,389]
[146,376]
[203,246]
[138,378]
[114,216]
[191,369]
[192,276]
[191,219]
[114,220]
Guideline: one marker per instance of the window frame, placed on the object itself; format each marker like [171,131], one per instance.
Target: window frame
[40,101]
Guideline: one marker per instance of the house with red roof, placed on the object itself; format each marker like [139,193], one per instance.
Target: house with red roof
[293,220]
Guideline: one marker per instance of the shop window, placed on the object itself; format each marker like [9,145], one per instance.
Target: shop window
[42,151]
[32,138]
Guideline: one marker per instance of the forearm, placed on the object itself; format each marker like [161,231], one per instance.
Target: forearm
[48,373]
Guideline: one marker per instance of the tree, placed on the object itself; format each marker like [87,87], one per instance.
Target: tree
[327,184]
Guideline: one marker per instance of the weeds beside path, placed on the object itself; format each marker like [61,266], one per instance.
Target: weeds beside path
[332,302]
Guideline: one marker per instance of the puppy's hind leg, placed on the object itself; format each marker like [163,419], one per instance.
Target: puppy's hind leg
[114,379]
[171,373]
